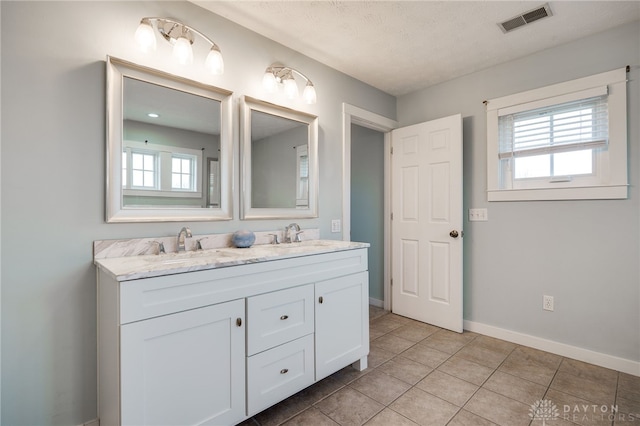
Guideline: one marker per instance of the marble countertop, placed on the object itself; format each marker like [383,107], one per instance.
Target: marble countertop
[146,266]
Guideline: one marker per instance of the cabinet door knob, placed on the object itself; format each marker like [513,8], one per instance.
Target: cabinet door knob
[284,371]
[239,322]
[284,317]
[320,299]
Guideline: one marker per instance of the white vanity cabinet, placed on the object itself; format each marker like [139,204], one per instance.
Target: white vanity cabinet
[184,368]
[216,346]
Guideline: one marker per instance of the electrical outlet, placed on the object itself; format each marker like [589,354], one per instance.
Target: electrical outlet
[547,303]
[336,225]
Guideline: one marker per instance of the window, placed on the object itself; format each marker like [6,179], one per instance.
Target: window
[566,141]
[161,170]
[182,172]
[124,169]
[302,176]
[143,170]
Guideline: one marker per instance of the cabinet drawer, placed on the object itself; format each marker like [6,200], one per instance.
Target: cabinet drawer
[278,373]
[279,317]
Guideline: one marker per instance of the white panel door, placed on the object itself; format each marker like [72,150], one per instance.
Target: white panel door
[426,241]
[186,368]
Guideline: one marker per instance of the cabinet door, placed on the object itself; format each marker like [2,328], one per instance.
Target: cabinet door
[184,369]
[342,322]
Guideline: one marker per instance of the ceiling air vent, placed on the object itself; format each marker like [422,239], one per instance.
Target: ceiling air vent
[525,18]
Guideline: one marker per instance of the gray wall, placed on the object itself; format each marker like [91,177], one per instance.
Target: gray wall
[367,200]
[584,253]
[53,174]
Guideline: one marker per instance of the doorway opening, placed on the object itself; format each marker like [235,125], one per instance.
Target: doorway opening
[367,120]
[367,203]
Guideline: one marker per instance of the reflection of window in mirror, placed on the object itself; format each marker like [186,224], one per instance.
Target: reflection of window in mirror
[183,172]
[213,173]
[153,172]
[302,168]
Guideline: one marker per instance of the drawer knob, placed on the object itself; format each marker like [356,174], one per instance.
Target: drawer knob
[284,317]
[284,371]
[239,322]
[320,299]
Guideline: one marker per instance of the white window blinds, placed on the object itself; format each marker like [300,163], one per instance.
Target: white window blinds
[568,126]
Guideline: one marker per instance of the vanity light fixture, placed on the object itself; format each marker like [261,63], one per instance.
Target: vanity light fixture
[278,74]
[181,36]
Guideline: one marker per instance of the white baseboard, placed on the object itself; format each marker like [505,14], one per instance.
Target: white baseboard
[562,349]
[376,302]
[94,422]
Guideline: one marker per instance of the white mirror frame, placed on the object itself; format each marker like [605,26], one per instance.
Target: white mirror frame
[249,104]
[117,69]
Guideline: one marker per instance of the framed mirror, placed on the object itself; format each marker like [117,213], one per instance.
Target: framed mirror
[169,147]
[279,158]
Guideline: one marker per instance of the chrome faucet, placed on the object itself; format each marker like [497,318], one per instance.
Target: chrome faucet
[295,238]
[182,236]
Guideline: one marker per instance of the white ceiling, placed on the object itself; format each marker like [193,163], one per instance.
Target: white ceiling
[403,46]
[177,109]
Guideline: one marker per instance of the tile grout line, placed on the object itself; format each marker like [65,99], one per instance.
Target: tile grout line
[479,387]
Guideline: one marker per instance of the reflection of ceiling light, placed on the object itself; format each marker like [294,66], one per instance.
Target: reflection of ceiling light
[181,36]
[153,115]
[285,75]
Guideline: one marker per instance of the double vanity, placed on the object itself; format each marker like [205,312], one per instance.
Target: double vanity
[215,336]
[188,336]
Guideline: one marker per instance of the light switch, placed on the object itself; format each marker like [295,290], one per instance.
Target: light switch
[478,215]
[336,225]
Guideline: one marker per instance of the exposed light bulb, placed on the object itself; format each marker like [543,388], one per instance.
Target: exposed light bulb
[145,36]
[290,88]
[214,62]
[269,82]
[309,93]
[182,51]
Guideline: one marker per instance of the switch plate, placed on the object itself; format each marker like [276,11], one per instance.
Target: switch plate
[478,215]
[336,225]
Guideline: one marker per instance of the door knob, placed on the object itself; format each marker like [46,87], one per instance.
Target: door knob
[453,234]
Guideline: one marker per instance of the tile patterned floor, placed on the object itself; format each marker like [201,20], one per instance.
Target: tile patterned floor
[422,375]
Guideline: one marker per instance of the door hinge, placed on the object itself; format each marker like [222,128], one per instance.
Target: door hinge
[391,282]
[391,216]
[391,150]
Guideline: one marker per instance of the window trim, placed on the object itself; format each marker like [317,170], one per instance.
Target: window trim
[612,163]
